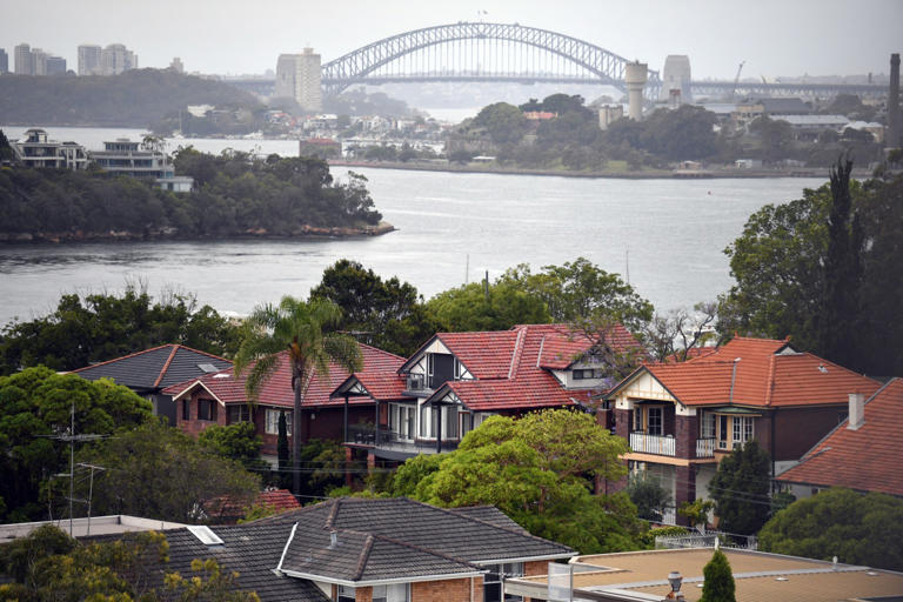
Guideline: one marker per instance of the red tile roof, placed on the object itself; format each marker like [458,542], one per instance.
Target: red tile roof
[521,377]
[759,372]
[866,459]
[277,390]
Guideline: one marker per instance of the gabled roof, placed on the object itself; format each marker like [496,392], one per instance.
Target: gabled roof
[865,459]
[251,550]
[366,541]
[156,368]
[756,372]
[513,368]
[277,390]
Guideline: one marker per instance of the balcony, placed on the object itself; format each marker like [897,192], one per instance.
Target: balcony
[652,444]
[393,444]
[706,448]
[664,445]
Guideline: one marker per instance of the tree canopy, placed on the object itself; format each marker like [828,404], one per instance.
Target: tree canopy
[718,582]
[780,265]
[388,314]
[580,290]
[103,326]
[741,488]
[858,529]
[539,470]
[159,472]
[35,410]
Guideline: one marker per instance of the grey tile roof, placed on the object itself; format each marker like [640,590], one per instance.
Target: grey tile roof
[381,539]
[155,368]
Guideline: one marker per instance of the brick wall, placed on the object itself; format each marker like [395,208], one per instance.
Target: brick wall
[686,429]
[447,590]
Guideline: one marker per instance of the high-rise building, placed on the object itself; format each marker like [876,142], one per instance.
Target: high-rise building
[676,79]
[298,77]
[116,58]
[55,65]
[25,62]
[39,61]
[4,61]
[89,59]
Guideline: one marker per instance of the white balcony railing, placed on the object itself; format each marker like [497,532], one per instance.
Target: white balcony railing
[706,448]
[653,444]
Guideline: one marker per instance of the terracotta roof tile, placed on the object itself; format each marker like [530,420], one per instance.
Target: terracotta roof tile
[277,390]
[865,459]
[760,372]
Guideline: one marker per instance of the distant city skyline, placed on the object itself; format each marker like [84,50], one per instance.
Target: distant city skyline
[230,37]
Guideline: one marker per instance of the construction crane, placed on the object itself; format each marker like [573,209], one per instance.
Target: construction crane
[737,78]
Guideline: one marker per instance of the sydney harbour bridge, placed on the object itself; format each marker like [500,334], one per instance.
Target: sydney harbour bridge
[498,52]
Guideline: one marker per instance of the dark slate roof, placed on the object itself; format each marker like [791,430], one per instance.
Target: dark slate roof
[156,368]
[384,539]
[489,514]
[251,550]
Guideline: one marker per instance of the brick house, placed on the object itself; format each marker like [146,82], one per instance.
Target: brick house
[862,453]
[455,381]
[371,550]
[681,419]
[220,398]
[148,373]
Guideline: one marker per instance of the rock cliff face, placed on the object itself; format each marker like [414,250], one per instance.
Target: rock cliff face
[112,236]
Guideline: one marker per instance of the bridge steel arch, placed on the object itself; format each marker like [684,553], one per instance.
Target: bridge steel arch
[602,66]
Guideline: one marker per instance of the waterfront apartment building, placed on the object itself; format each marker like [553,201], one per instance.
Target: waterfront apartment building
[4,61]
[25,62]
[112,60]
[37,62]
[38,151]
[89,59]
[298,77]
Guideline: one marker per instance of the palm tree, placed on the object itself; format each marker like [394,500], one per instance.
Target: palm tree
[295,329]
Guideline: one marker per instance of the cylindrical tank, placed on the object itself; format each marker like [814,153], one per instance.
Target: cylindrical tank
[635,80]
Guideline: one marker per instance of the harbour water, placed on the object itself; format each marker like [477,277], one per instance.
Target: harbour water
[666,237]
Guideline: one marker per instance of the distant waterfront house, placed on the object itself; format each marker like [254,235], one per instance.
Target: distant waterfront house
[681,419]
[38,151]
[862,453]
[127,158]
[149,372]
[457,380]
[220,398]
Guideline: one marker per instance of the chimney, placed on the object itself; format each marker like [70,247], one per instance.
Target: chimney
[855,411]
[893,137]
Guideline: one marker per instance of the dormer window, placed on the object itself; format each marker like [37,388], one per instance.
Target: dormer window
[586,373]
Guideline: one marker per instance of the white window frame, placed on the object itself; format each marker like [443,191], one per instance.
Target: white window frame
[271,421]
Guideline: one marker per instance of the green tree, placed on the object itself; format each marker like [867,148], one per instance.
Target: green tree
[388,314]
[685,133]
[481,306]
[6,150]
[718,582]
[648,495]
[504,123]
[858,529]
[539,470]
[160,472]
[300,330]
[282,448]
[238,441]
[740,489]
[779,265]
[835,330]
[100,327]
[35,410]
[775,138]
[580,290]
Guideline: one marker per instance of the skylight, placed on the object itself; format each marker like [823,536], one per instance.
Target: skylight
[205,535]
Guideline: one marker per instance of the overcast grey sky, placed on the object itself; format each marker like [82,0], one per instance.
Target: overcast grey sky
[774,37]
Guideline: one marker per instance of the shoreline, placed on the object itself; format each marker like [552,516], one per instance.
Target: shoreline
[703,174]
[305,233]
